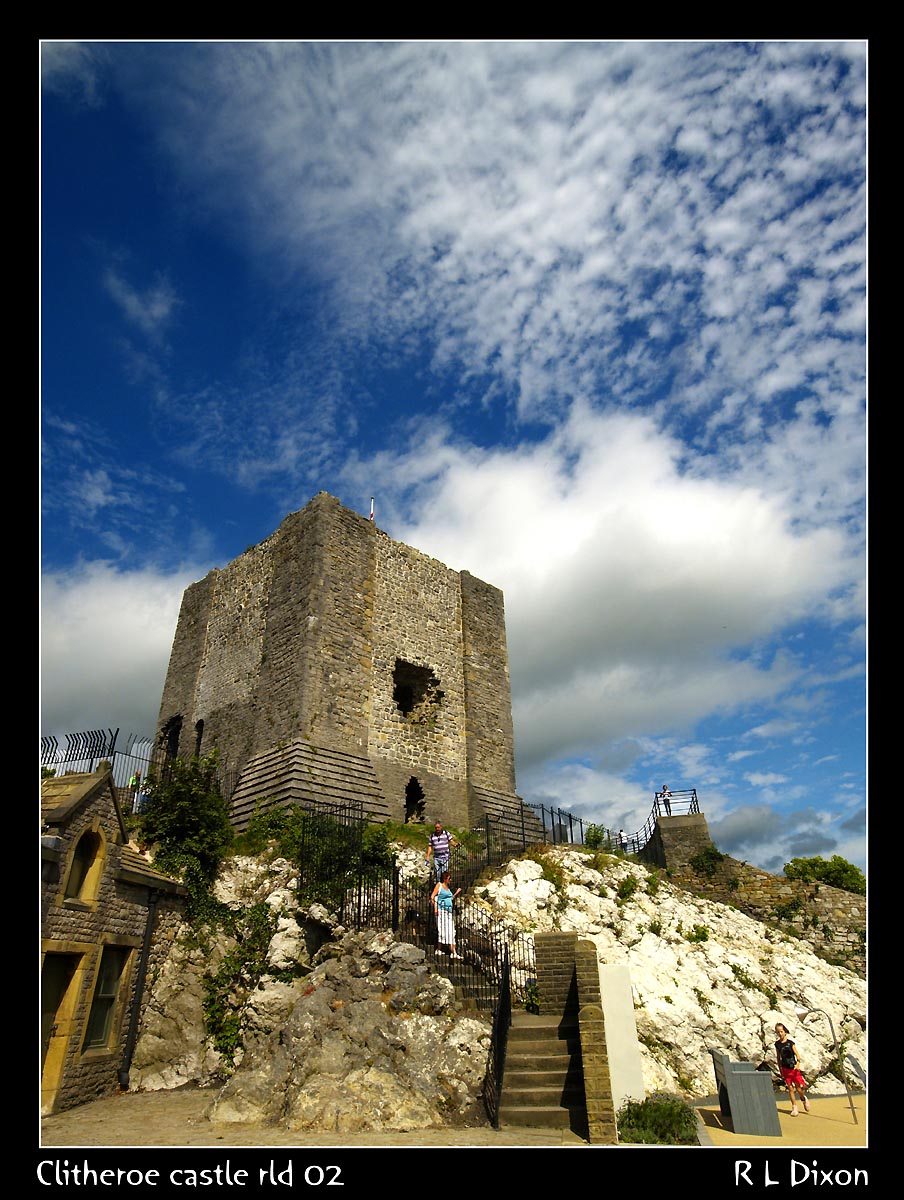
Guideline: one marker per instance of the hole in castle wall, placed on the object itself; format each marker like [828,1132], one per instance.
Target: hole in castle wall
[416,691]
[170,735]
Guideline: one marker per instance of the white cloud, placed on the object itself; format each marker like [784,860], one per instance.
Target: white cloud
[105,642]
[517,207]
[150,309]
[633,592]
[73,70]
[765,778]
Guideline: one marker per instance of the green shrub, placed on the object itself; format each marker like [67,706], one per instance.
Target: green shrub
[787,911]
[700,933]
[707,861]
[626,889]
[595,836]
[186,816]
[836,872]
[227,991]
[662,1119]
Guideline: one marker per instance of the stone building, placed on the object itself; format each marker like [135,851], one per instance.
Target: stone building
[105,915]
[331,662]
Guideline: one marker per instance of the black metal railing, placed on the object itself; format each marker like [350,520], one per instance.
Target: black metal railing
[559,827]
[675,804]
[132,757]
[405,907]
[502,1020]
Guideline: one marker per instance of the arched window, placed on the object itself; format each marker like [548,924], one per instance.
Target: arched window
[83,880]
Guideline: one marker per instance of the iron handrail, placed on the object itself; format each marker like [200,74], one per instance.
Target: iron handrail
[682,802]
[502,1020]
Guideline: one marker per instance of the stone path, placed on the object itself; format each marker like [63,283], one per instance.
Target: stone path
[176,1118]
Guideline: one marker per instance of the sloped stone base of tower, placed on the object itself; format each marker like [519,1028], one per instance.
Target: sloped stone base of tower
[302,773]
[511,822]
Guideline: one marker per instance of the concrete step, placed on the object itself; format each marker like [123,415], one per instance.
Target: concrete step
[538,1062]
[535,1096]
[527,1046]
[540,1117]
[542,1024]
[545,1077]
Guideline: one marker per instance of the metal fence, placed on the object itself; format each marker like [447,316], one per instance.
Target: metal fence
[127,756]
[87,750]
[674,804]
[502,1020]
[404,906]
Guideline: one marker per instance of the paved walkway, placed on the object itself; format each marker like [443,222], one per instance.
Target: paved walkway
[828,1123]
[176,1118]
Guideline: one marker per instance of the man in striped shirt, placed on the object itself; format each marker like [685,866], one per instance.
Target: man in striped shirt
[439,848]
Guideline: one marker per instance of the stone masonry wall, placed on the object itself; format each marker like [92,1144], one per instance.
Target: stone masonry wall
[303,636]
[488,695]
[832,921]
[569,985]
[417,622]
[601,1126]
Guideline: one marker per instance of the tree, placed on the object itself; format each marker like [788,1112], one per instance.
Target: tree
[186,815]
[835,872]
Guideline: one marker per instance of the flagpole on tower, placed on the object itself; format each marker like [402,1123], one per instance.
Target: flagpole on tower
[371,508]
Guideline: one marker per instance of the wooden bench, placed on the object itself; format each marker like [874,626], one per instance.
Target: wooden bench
[746,1096]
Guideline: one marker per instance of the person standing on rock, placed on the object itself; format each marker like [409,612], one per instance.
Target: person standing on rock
[789,1066]
[441,898]
[439,848]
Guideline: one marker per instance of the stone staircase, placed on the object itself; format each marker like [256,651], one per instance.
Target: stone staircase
[543,1084]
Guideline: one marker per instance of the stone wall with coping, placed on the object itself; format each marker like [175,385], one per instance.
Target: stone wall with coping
[568,983]
[831,920]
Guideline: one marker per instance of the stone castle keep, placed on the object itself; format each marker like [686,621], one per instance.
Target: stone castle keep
[331,662]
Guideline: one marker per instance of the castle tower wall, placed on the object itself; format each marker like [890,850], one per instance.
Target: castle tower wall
[331,632]
[488,696]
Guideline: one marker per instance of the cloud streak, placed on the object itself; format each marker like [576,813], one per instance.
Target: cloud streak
[586,318]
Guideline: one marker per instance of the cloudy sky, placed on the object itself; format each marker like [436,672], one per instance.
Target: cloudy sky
[586,319]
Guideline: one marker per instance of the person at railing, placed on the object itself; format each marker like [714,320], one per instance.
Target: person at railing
[666,797]
[622,840]
[442,897]
[439,847]
[138,797]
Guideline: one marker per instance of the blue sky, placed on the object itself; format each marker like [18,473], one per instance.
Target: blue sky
[586,319]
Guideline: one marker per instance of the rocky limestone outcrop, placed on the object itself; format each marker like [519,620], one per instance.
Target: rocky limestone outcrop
[373,1042]
[352,1031]
[704,976]
[342,1031]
